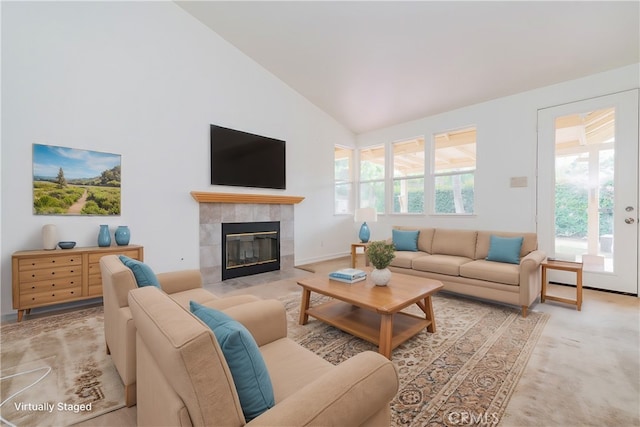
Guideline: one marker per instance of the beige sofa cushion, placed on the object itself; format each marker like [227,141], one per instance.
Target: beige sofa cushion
[291,367]
[529,242]
[404,259]
[200,295]
[443,264]
[455,242]
[491,271]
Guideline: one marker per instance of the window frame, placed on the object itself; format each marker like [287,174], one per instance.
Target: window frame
[349,183]
[393,179]
[434,175]
[382,180]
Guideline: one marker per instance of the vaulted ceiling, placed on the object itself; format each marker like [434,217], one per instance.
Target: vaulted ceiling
[372,64]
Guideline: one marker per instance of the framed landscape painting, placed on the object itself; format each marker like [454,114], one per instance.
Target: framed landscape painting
[69,181]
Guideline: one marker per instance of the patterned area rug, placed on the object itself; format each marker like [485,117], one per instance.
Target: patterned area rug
[464,374]
[55,370]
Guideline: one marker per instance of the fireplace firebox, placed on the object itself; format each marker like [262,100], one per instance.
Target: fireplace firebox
[250,248]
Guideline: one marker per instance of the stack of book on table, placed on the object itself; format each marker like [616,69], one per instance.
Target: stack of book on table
[348,275]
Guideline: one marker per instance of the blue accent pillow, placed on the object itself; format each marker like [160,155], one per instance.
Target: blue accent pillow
[405,240]
[246,364]
[141,271]
[505,249]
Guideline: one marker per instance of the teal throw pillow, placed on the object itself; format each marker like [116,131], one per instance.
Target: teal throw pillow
[246,364]
[141,271]
[505,249]
[405,240]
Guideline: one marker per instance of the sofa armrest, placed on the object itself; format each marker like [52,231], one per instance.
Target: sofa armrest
[266,320]
[530,278]
[531,262]
[348,395]
[178,281]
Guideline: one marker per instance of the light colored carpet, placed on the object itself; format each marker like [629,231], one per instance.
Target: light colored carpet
[585,369]
[55,371]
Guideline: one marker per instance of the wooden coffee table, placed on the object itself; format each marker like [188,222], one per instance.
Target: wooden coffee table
[372,312]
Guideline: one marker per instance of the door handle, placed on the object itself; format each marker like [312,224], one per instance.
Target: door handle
[629,220]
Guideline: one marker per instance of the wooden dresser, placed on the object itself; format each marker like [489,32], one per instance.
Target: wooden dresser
[41,278]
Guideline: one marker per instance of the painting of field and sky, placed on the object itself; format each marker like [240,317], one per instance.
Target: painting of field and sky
[69,181]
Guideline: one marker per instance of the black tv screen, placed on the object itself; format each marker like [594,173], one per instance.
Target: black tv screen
[246,160]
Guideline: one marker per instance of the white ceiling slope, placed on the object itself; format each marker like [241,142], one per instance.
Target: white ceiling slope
[372,64]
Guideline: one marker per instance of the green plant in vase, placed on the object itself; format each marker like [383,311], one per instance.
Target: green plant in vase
[380,254]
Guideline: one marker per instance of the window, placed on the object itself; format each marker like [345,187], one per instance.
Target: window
[343,176]
[408,176]
[454,168]
[372,178]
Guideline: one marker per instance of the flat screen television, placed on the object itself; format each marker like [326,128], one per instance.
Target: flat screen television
[246,160]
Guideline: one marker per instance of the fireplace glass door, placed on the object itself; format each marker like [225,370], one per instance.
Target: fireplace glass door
[245,249]
[250,248]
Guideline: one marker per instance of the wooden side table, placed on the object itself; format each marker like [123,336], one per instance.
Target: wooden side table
[354,247]
[575,267]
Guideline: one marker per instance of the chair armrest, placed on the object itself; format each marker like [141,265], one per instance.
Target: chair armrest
[348,395]
[178,281]
[118,285]
[266,320]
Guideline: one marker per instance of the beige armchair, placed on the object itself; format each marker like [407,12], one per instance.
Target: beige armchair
[119,329]
[184,379]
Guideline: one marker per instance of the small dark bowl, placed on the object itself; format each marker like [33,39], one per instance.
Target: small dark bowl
[66,245]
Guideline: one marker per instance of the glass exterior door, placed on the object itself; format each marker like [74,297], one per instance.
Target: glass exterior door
[585,188]
[588,188]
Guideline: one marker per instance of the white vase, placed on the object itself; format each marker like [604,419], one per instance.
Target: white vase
[381,277]
[49,236]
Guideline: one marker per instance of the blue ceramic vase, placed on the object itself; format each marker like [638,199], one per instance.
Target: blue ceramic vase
[122,235]
[365,233]
[104,237]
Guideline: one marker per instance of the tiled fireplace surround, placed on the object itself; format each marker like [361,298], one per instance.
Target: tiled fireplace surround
[247,209]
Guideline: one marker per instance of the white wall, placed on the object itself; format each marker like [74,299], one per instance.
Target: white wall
[145,80]
[506,147]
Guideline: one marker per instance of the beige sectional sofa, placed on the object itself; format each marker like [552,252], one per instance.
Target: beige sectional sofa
[458,259]
[184,378]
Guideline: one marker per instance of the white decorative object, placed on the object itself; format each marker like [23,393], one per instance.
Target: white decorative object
[49,236]
[381,277]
